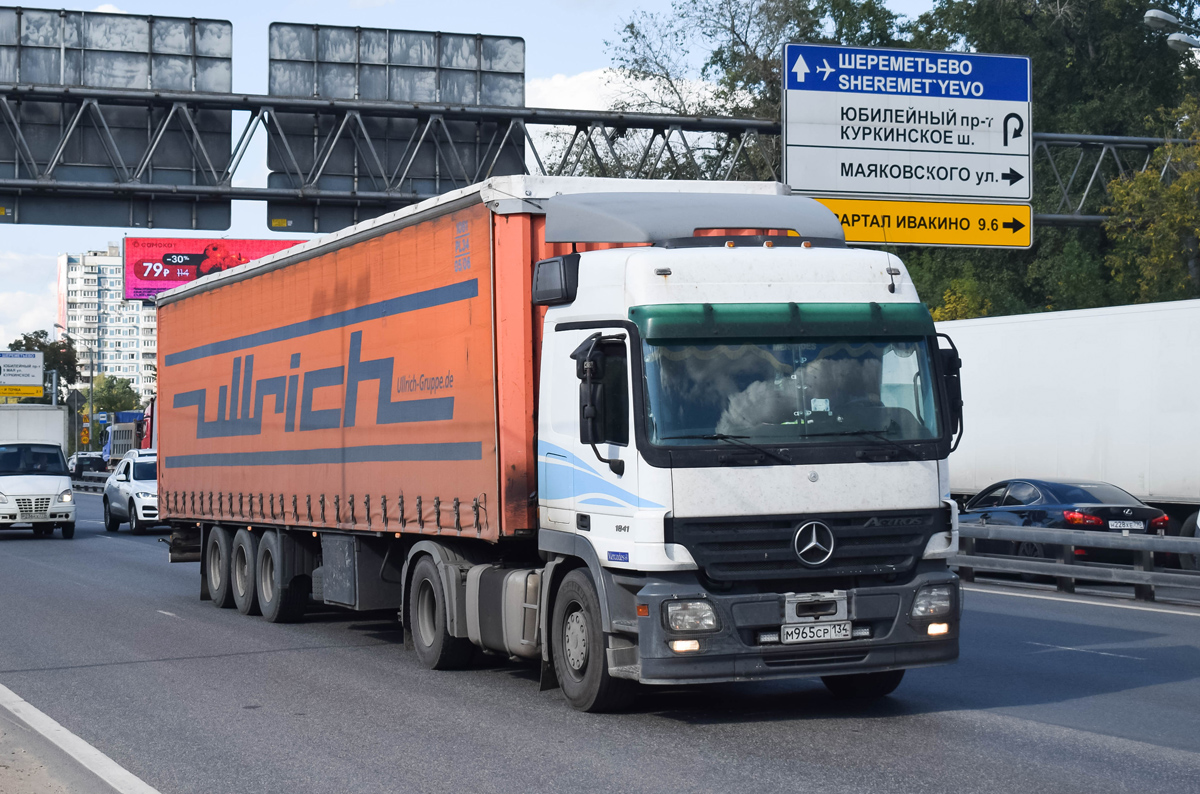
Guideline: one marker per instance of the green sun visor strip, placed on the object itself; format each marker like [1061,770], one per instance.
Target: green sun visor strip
[661,322]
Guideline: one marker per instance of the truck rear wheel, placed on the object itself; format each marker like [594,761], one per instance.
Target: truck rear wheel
[863,686]
[241,572]
[279,599]
[43,530]
[578,648]
[216,567]
[435,647]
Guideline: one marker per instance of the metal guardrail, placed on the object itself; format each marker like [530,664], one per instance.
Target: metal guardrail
[1063,567]
[91,481]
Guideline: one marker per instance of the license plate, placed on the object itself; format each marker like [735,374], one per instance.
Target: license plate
[1126,525]
[35,516]
[815,632]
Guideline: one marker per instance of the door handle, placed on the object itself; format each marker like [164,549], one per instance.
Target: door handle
[583,522]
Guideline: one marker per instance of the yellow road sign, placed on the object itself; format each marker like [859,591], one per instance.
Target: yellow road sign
[934,223]
[21,391]
[84,436]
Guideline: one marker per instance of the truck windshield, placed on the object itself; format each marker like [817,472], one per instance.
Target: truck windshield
[31,459]
[789,392]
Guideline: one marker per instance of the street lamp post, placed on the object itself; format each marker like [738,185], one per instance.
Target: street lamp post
[91,377]
[1180,42]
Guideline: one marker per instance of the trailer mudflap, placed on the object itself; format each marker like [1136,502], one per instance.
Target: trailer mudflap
[184,545]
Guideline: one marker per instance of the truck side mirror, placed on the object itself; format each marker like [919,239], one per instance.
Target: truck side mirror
[951,366]
[593,426]
[556,280]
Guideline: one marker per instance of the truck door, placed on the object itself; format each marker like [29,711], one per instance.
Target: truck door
[579,488]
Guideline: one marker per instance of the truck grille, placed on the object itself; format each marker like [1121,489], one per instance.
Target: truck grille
[32,506]
[760,547]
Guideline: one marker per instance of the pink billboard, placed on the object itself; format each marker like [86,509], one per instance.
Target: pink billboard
[157,264]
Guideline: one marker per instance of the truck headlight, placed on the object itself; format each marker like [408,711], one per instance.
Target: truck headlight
[933,601]
[691,616]
[147,496]
[66,496]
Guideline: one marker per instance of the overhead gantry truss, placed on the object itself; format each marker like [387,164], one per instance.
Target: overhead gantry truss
[160,150]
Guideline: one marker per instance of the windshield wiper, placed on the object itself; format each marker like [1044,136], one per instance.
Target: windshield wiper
[734,440]
[876,434]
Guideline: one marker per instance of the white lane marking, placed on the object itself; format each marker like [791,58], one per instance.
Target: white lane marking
[92,759]
[168,614]
[1195,614]
[1082,650]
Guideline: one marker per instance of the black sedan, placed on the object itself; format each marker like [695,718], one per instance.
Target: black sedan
[1095,506]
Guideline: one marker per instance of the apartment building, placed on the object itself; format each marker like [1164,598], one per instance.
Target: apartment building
[120,334]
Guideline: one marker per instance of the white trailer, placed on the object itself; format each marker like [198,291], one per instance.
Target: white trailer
[1095,394]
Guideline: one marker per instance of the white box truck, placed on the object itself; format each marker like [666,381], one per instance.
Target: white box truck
[1095,394]
[35,485]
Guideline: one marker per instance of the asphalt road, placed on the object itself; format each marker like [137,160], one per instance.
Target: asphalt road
[106,637]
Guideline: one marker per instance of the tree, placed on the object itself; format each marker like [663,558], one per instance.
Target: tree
[1154,223]
[114,394]
[58,355]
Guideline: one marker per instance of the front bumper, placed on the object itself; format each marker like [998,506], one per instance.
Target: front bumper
[57,513]
[734,653]
[147,510]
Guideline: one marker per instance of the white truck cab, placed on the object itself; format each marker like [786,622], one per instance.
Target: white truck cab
[35,484]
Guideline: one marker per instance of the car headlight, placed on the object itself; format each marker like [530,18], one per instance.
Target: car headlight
[933,601]
[66,496]
[144,495]
[691,616]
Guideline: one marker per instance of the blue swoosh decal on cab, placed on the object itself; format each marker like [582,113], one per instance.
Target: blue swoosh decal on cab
[585,480]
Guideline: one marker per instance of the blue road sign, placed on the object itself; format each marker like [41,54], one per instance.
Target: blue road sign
[871,121]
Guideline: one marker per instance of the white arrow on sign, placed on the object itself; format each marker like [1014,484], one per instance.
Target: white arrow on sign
[800,68]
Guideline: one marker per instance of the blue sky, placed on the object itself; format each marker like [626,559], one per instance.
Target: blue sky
[565,48]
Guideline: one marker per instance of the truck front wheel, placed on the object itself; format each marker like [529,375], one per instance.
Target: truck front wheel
[68,530]
[436,648]
[578,648]
[863,686]
[216,567]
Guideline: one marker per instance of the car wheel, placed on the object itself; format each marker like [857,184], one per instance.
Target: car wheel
[135,524]
[578,648]
[863,686]
[1032,551]
[1189,562]
[68,531]
[111,524]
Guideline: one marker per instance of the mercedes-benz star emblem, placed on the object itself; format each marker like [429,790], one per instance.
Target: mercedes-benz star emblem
[813,544]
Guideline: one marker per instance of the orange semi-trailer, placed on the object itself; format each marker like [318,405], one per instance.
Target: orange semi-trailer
[642,431]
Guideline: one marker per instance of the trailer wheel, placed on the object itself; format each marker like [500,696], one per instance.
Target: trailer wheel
[111,524]
[579,648]
[278,598]
[241,572]
[68,531]
[436,649]
[863,686]
[1189,562]
[216,567]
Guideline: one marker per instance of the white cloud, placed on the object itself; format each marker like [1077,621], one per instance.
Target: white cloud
[594,90]
[107,8]
[28,301]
